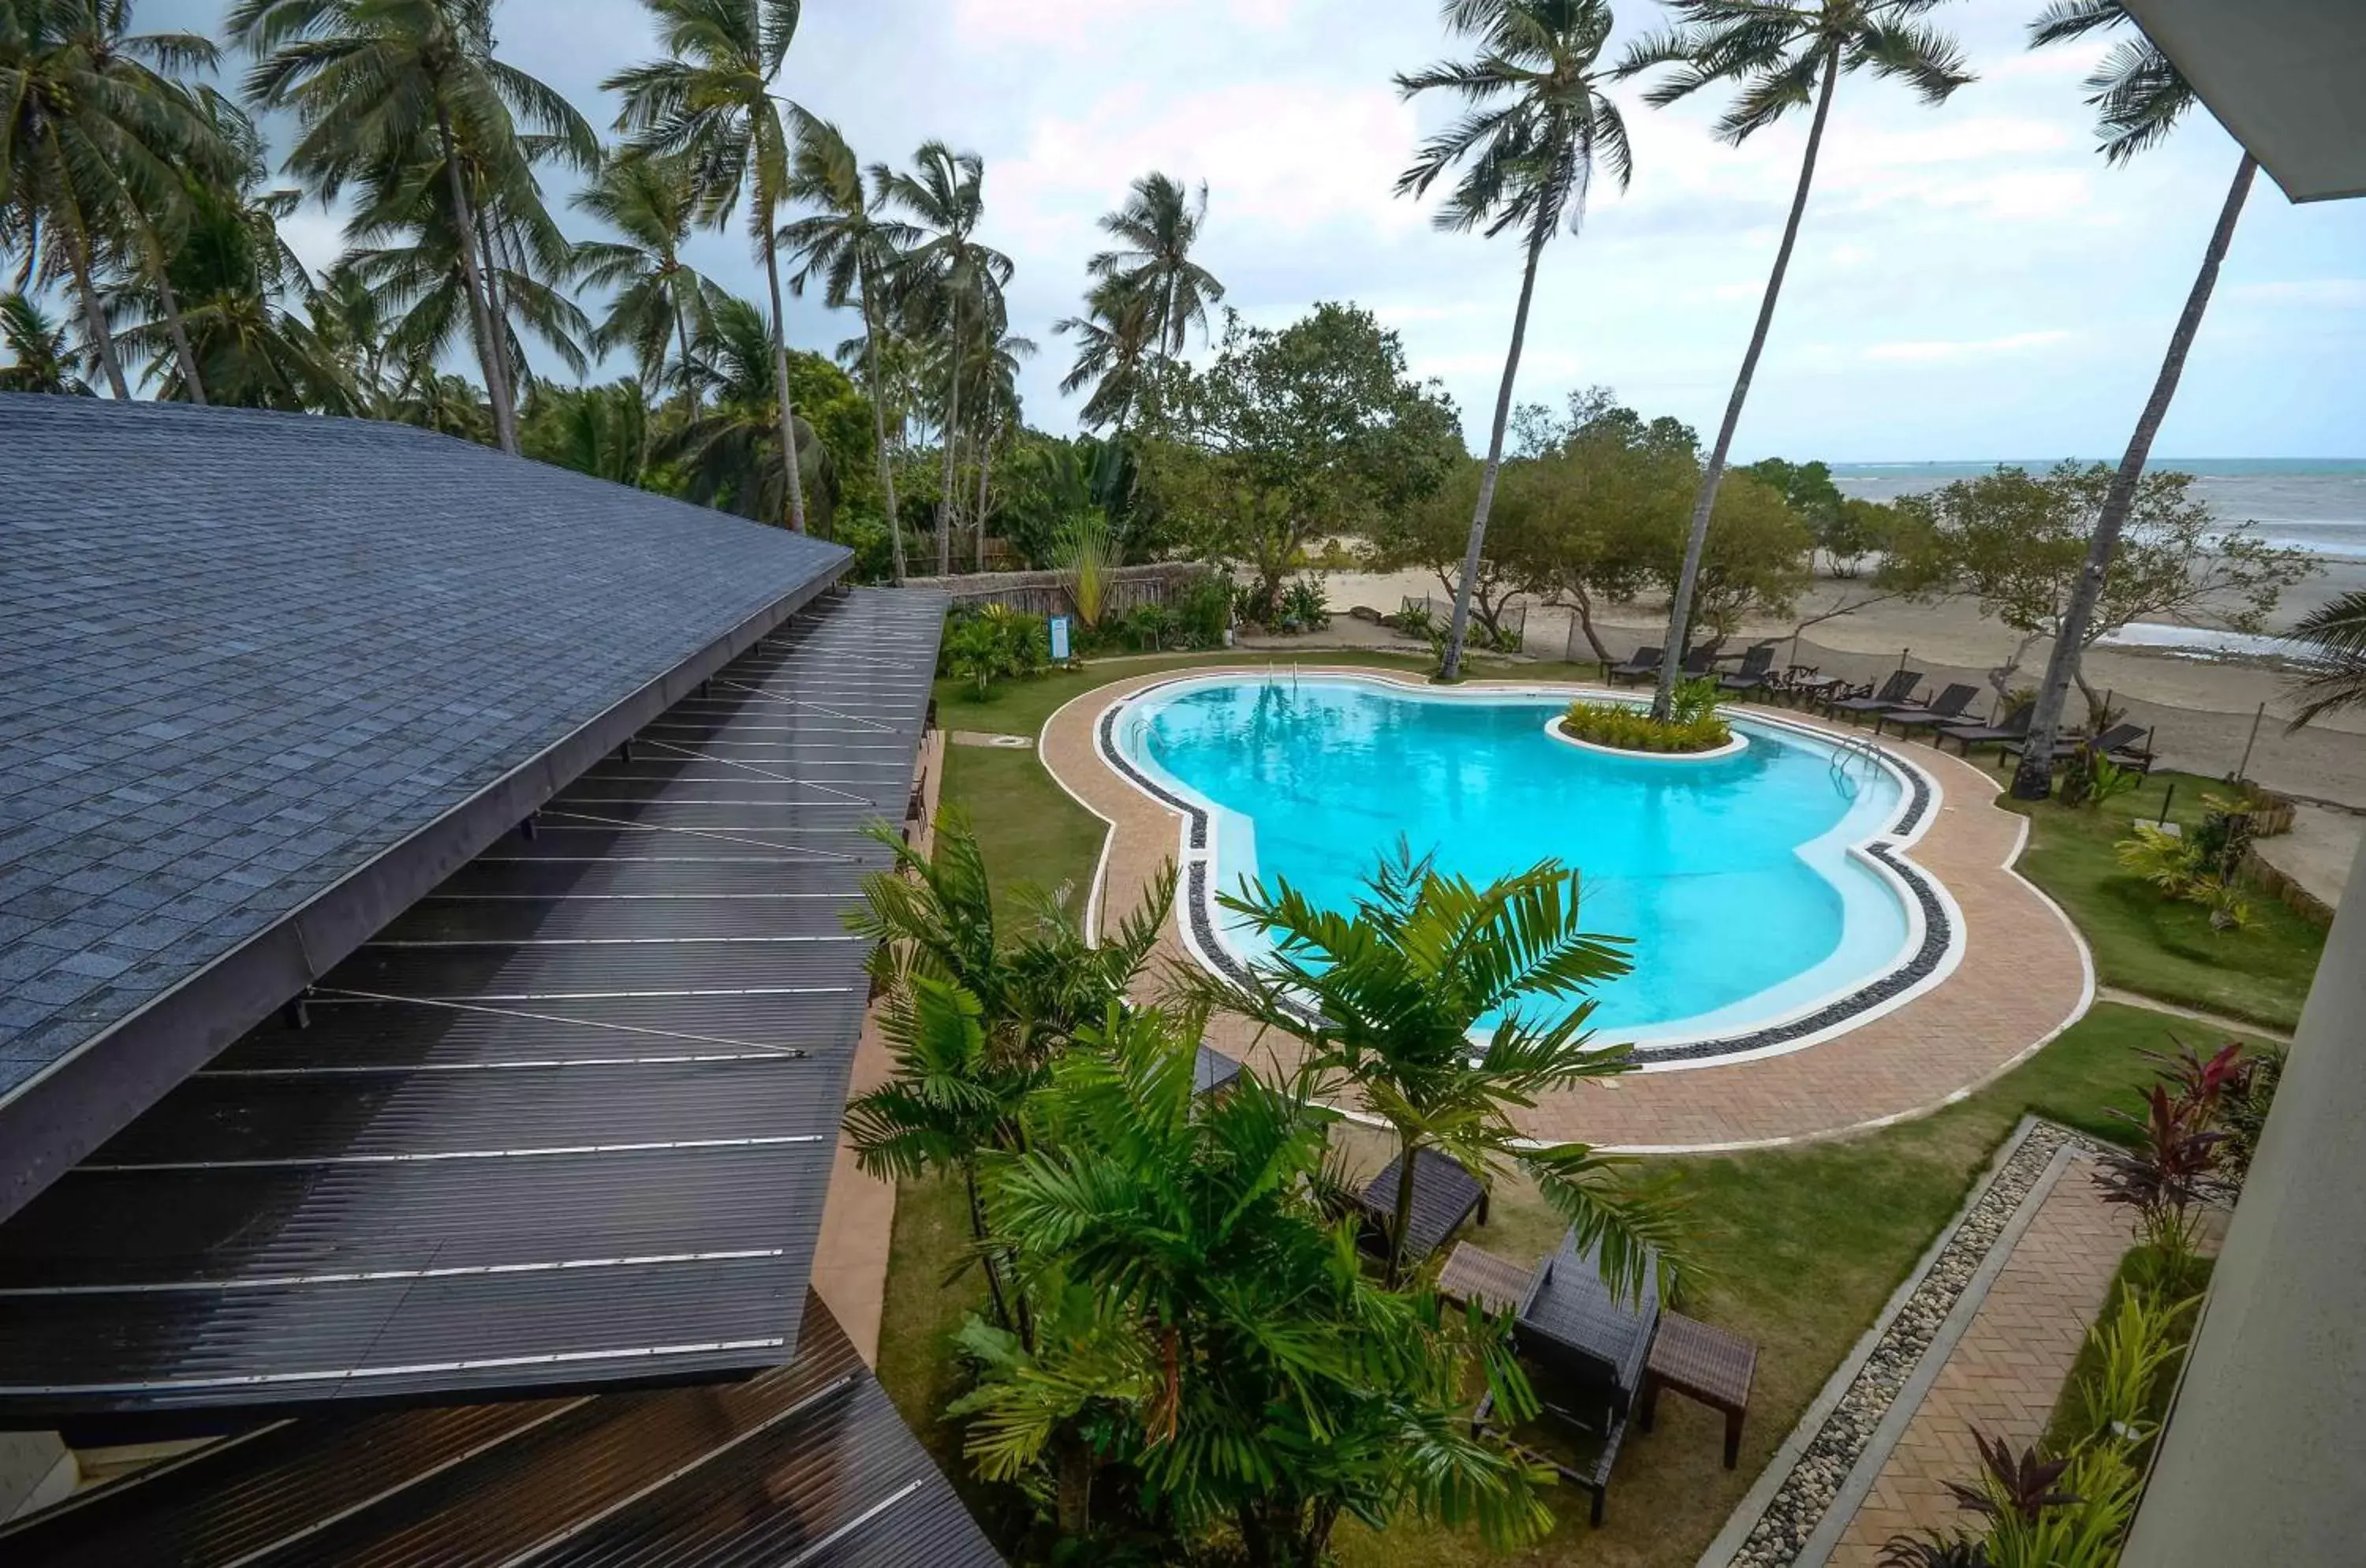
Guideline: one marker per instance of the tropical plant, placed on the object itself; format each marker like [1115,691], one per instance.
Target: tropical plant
[2243,1112]
[2139,1339]
[1538,124]
[1304,606]
[709,102]
[2138,95]
[730,450]
[39,358]
[2333,637]
[395,95]
[2171,863]
[1624,728]
[1156,230]
[947,277]
[2168,1169]
[1784,54]
[599,431]
[1115,345]
[1391,999]
[660,303]
[1085,565]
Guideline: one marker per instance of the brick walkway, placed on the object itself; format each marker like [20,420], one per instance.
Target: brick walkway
[2023,977]
[2006,1370]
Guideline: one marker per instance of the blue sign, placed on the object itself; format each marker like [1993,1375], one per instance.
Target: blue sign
[1059,640]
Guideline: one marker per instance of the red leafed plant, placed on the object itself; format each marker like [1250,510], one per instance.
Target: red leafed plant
[2202,1083]
[2171,1168]
[2023,1487]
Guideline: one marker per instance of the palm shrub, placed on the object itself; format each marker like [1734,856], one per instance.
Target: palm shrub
[1388,998]
[1693,726]
[2333,637]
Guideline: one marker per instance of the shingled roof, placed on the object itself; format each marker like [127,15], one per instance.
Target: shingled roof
[265,679]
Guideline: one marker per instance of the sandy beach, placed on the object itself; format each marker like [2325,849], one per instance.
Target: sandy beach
[2201,709]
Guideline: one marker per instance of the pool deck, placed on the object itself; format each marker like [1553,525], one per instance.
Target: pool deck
[2024,978]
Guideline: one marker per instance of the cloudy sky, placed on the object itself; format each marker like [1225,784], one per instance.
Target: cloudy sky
[1972,281]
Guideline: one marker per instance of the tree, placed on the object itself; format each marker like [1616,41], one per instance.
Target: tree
[846,246]
[710,102]
[2334,637]
[1313,430]
[1809,491]
[730,450]
[1755,564]
[2138,95]
[39,360]
[1157,229]
[1537,125]
[599,431]
[1114,352]
[1388,997]
[398,94]
[2018,542]
[948,274]
[1784,53]
[1607,485]
[660,302]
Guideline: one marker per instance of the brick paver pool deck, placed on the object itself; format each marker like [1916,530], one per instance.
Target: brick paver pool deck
[2023,976]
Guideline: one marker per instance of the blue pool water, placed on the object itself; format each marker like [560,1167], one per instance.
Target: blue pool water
[1733,876]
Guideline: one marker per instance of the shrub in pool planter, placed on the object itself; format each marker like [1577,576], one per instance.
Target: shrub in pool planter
[1623,728]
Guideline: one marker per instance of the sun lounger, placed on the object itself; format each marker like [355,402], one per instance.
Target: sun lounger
[1757,673]
[1644,666]
[1893,693]
[2014,726]
[1946,709]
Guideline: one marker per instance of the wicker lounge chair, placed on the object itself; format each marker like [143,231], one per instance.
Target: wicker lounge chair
[2112,743]
[2012,727]
[1757,673]
[1947,708]
[1444,1197]
[1644,666]
[1474,1274]
[1893,693]
[1700,661]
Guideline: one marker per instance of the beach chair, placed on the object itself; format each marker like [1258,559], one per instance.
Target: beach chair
[1947,708]
[2012,727]
[1893,693]
[1757,673]
[2119,738]
[1644,666]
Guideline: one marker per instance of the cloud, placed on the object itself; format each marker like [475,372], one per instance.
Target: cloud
[1090,24]
[1942,352]
[2338,293]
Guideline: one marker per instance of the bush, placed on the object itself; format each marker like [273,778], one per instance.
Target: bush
[994,643]
[1626,729]
[1203,610]
[1150,627]
[1304,606]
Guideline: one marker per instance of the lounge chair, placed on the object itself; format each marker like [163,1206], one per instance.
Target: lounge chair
[1946,709]
[2012,727]
[1757,673]
[1893,693]
[1644,666]
[1700,661]
[2118,740]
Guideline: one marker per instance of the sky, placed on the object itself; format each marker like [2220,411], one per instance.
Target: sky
[1972,281]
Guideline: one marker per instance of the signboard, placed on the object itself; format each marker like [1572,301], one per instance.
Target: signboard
[1059,640]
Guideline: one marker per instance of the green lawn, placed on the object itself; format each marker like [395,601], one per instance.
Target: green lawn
[2155,946]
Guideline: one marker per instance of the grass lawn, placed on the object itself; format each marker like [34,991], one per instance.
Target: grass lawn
[2149,944]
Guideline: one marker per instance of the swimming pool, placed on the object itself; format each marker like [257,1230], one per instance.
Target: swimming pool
[1765,891]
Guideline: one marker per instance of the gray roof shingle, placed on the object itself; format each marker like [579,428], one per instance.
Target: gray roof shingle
[243,654]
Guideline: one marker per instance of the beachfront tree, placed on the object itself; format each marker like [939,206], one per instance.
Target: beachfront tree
[1388,998]
[709,101]
[40,359]
[1157,229]
[2138,95]
[1784,54]
[2333,638]
[1115,348]
[951,282]
[660,302]
[1537,125]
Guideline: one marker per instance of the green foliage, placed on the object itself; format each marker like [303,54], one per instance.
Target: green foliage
[39,360]
[2185,866]
[1085,558]
[1304,607]
[1625,727]
[2332,637]
[1693,700]
[993,644]
[601,431]
[1203,612]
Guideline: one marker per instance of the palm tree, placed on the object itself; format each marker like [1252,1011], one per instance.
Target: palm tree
[1537,125]
[96,131]
[710,101]
[40,359]
[2334,637]
[991,378]
[2138,95]
[661,302]
[850,250]
[1113,349]
[1158,225]
[1784,54]
[1388,998]
[399,94]
[949,274]
[730,450]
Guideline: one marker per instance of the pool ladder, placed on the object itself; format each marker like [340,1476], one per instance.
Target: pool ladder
[1851,750]
[1273,677]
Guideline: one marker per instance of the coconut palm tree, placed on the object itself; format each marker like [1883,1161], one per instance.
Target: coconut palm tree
[2334,637]
[846,244]
[990,378]
[40,359]
[2138,97]
[661,302]
[1537,125]
[1784,54]
[730,452]
[1157,227]
[96,131]
[397,96]
[948,275]
[1387,997]
[1114,348]
[710,101]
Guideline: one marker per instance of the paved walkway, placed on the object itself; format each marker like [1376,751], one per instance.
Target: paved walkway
[2005,1373]
[2022,979]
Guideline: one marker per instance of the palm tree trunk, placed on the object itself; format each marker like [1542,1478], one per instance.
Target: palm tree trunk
[1451,667]
[2033,779]
[688,390]
[879,424]
[490,260]
[953,429]
[182,350]
[985,472]
[93,316]
[1403,1219]
[488,347]
[781,375]
[1680,611]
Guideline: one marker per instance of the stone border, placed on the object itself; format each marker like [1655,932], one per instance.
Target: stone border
[1942,937]
[1811,1490]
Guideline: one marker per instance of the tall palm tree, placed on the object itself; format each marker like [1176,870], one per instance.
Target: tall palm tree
[1157,227]
[990,376]
[2138,97]
[710,101]
[40,359]
[2334,636]
[1784,54]
[846,246]
[398,94]
[95,131]
[1114,346]
[1387,997]
[661,302]
[949,274]
[730,451]
[1537,125]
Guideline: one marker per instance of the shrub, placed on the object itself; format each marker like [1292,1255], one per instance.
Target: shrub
[1148,626]
[1204,610]
[996,643]
[1304,606]
[1625,728]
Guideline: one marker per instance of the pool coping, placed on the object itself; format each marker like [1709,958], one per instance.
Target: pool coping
[2026,978]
